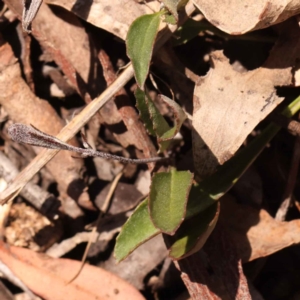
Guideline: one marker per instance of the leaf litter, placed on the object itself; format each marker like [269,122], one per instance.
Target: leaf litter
[77,43]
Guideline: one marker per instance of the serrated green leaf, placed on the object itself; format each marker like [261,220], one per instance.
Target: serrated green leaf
[140,42]
[168,196]
[137,230]
[193,233]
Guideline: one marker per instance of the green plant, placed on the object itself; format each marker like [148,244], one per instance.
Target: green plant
[184,211]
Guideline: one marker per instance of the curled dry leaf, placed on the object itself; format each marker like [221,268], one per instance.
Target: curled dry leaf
[109,14]
[40,272]
[228,104]
[238,17]
[255,233]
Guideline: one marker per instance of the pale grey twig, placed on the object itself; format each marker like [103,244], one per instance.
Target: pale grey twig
[30,10]
[30,135]
[42,200]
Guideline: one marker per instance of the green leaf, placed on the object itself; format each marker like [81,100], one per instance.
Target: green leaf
[193,233]
[215,186]
[154,122]
[174,5]
[160,125]
[167,199]
[139,42]
[202,202]
[171,5]
[142,106]
[170,19]
[188,31]
[179,117]
[137,230]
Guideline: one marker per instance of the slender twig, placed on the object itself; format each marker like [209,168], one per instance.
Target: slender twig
[32,136]
[103,211]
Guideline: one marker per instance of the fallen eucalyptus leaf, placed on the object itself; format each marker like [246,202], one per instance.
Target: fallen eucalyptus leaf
[108,14]
[255,233]
[39,272]
[238,17]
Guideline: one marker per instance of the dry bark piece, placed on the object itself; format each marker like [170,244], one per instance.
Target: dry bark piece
[109,14]
[255,233]
[238,17]
[228,104]
[39,272]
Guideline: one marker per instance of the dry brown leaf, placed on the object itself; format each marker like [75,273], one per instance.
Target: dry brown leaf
[228,104]
[48,277]
[238,17]
[64,32]
[255,233]
[80,120]
[59,34]
[109,14]
[24,107]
